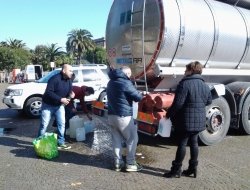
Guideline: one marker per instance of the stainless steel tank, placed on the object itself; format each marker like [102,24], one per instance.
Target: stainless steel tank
[170,33]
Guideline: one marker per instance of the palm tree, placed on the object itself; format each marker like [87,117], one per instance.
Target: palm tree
[79,41]
[39,53]
[14,43]
[3,44]
[52,52]
[39,56]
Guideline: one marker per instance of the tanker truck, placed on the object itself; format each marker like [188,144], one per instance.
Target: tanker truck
[157,38]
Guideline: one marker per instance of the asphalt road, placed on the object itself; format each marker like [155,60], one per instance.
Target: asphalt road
[88,165]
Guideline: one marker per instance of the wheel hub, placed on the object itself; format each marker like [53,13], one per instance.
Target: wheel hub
[215,120]
[35,108]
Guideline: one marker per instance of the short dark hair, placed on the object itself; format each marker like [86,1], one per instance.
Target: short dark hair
[195,67]
[90,90]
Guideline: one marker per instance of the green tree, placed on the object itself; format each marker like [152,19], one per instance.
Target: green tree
[3,44]
[39,56]
[101,55]
[53,52]
[65,58]
[79,41]
[14,43]
[14,58]
[6,59]
[98,55]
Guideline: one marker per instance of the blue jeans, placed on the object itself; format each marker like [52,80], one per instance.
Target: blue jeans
[47,112]
[68,115]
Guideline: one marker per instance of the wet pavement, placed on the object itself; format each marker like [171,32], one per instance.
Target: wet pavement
[88,165]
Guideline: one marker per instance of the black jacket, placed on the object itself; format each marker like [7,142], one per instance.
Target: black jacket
[188,112]
[121,93]
[58,87]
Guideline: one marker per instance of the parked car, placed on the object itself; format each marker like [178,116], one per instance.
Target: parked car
[27,97]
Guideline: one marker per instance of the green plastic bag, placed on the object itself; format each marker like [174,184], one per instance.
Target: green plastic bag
[46,146]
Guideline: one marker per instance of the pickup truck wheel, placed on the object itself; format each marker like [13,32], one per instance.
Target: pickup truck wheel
[32,107]
[103,97]
[218,122]
[245,117]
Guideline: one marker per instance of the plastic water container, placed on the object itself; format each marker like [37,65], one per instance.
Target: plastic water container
[80,134]
[74,123]
[135,109]
[89,126]
[164,128]
[67,131]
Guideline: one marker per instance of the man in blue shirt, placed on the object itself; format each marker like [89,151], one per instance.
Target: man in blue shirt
[56,95]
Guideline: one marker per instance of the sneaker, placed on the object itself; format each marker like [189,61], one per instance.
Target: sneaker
[133,167]
[119,167]
[64,147]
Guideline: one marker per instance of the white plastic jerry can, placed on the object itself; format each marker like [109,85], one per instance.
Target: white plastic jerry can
[80,134]
[74,123]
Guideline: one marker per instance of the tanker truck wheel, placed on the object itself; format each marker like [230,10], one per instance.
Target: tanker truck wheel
[218,122]
[245,117]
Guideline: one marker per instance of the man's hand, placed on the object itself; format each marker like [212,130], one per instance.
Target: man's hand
[65,101]
[72,94]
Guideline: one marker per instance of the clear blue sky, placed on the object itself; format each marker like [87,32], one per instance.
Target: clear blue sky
[43,22]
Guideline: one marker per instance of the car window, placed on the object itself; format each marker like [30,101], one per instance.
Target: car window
[90,75]
[105,72]
[87,74]
[48,76]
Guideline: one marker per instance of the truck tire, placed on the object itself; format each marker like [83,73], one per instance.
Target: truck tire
[218,122]
[245,117]
[103,97]
[32,107]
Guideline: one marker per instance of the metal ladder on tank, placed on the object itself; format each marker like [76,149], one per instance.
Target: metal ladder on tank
[133,27]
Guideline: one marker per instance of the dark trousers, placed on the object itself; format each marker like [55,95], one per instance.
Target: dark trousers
[68,115]
[183,139]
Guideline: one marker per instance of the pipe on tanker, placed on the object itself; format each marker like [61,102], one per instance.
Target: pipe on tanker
[239,3]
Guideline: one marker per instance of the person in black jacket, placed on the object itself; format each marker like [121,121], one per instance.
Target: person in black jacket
[54,99]
[188,116]
[121,93]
